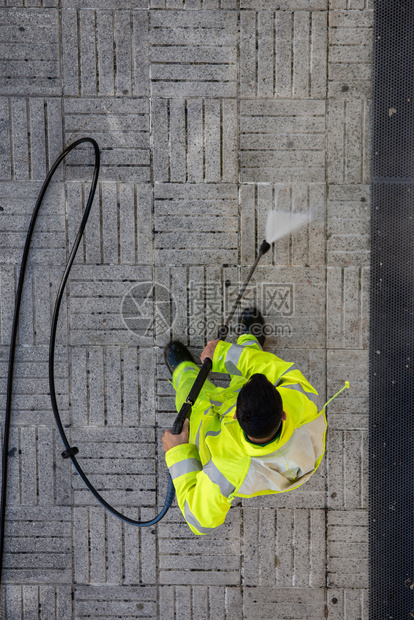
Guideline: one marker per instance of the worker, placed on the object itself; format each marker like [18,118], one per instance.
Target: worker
[261,435]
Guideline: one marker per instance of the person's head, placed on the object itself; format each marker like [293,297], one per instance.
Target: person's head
[259,409]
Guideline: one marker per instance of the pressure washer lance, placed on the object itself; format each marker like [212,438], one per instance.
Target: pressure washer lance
[278,225]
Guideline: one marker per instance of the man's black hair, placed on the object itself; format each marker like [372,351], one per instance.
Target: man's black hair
[259,408]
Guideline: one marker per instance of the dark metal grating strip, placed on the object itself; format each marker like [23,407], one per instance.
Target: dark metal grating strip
[391,396]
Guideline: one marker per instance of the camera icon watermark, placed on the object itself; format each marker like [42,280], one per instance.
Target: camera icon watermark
[148,309]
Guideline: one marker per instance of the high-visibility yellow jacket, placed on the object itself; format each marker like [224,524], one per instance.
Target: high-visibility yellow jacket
[220,464]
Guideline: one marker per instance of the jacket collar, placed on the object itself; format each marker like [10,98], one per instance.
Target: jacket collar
[234,428]
[267,442]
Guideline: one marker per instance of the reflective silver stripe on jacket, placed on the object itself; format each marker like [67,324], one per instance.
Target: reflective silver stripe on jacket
[297,386]
[229,409]
[190,518]
[186,369]
[212,433]
[217,403]
[293,367]
[215,475]
[197,437]
[186,466]
[249,343]
[222,415]
[232,359]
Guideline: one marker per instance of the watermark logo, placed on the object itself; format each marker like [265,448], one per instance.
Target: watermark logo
[209,303]
[277,299]
[148,308]
[272,299]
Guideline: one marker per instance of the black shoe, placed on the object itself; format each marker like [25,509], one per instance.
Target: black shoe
[252,322]
[174,353]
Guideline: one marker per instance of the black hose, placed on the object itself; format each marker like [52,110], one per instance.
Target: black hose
[69,451]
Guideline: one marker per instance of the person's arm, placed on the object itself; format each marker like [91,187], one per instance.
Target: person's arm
[235,359]
[294,388]
[200,500]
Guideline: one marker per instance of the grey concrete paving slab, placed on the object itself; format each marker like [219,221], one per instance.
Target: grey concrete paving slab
[270,559]
[200,602]
[208,113]
[122,207]
[218,244]
[348,601]
[129,160]
[31,392]
[349,51]
[349,527]
[52,602]
[269,129]
[31,136]
[195,140]
[128,556]
[33,69]
[348,225]
[170,28]
[18,199]
[97,59]
[25,563]
[342,364]
[348,158]
[347,469]
[263,602]
[306,247]
[283,53]
[211,563]
[348,292]
[286,4]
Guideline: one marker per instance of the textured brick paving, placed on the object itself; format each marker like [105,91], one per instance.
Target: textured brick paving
[208,113]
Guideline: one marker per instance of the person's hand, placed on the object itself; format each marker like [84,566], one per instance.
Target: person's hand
[170,441]
[209,350]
